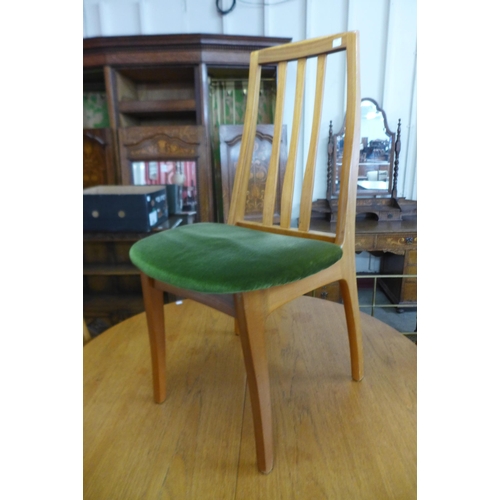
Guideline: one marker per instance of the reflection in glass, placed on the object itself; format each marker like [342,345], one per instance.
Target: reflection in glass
[375,149]
[170,173]
[376,152]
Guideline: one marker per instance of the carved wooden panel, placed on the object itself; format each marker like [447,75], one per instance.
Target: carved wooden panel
[98,164]
[170,143]
[230,143]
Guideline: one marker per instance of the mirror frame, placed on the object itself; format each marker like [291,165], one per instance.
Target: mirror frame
[333,172]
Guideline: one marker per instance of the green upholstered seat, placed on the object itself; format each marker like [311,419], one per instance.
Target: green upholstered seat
[220,258]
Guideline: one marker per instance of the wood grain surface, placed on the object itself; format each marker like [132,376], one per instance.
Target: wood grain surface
[333,438]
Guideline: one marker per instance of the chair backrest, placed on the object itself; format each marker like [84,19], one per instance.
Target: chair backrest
[282,55]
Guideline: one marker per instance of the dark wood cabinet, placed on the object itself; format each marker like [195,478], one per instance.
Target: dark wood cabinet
[98,157]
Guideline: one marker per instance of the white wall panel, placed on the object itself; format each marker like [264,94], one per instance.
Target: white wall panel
[370,18]
[407,187]
[120,17]
[326,18]
[245,19]
[287,19]
[400,59]
[91,20]
[202,17]
[399,87]
[164,16]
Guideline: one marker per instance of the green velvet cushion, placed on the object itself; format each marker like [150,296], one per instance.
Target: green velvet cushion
[220,258]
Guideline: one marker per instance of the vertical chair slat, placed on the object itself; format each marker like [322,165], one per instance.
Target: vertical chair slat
[308,182]
[289,180]
[239,195]
[272,173]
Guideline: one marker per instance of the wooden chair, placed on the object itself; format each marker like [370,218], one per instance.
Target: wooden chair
[248,269]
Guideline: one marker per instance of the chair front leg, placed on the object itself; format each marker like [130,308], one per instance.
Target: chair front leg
[250,315]
[153,303]
[349,292]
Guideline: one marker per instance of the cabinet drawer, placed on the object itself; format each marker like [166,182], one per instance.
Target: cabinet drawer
[396,242]
[365,243]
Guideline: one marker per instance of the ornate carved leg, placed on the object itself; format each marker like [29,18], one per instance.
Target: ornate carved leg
[153,303]
[250,314]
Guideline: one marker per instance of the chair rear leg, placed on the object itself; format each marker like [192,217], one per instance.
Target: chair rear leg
[250,315]
[153,303]
[349,292]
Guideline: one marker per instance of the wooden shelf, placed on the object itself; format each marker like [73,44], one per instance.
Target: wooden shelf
[109,270]
[113,236]
[157,107]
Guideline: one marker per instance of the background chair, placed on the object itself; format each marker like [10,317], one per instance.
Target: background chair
[247,269]
[230,137]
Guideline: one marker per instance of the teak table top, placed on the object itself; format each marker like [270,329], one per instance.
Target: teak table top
[334,438]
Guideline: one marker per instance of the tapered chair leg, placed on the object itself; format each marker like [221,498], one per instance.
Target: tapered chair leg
[349,292]
[251,322]
[153,303]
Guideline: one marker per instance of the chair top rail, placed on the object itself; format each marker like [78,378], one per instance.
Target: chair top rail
[305,48]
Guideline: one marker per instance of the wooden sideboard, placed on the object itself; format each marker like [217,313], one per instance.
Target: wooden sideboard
[397,240]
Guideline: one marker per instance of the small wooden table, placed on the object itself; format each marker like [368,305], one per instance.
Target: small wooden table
[334,438]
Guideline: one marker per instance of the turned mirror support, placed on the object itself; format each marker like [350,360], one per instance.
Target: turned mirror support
[397,150]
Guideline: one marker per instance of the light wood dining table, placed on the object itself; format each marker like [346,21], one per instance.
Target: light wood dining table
[334,438]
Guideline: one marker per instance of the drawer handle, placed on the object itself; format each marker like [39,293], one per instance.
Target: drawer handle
[409,240]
